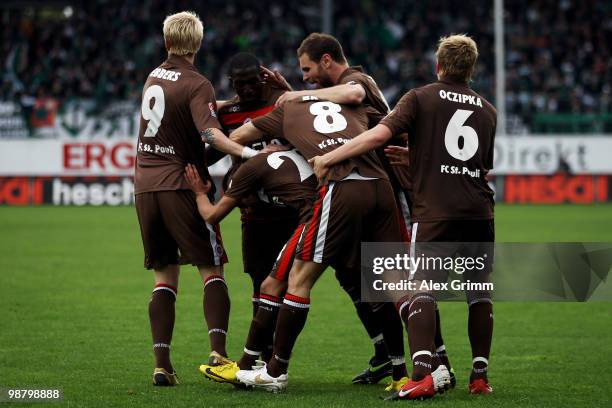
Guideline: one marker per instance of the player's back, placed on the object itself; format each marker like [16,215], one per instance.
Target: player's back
[177,103]
[316,127]
[451,131]
[282,178]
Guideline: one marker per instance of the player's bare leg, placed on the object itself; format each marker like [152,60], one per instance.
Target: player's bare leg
[161,317]
[216,305]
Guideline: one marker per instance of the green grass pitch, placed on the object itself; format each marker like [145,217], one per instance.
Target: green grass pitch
[74,294]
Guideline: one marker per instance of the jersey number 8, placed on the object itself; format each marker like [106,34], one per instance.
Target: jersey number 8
[153,114]
[461,141]
[325,110]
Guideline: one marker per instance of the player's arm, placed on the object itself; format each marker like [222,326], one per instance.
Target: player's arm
[365,142]
[203,111]
[212,213]
[217,139]
[349,94]
[265,127]
[246,134]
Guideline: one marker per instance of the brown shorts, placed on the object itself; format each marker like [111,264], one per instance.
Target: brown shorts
[261,243]
[347,213]
[454,231]
[460,240]
[169,223]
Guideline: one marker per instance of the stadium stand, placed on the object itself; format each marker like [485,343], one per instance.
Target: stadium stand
[97,53]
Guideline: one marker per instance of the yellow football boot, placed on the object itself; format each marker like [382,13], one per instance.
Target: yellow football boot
[225,373]
[396,385]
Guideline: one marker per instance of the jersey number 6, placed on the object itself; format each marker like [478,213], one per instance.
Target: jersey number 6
[461,141]
[153,114]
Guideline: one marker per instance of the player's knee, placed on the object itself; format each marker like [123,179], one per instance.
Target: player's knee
[168,275]
[298,283]
[303,276]
[208,271]
[274,287]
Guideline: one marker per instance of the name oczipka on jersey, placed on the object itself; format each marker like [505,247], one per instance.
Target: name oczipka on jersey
[145,147]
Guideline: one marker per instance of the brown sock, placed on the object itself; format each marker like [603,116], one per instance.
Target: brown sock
[290,322]
[261,331]
[161,316]
[216,312]
[440,348]
[435,360]
[349,280]
[393,333]
[480,331]
[419,316]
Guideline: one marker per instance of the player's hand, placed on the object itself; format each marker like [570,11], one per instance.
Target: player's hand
[319,167]
[275,78]
[273,147]
[288,96]
[397,155]
[195,182]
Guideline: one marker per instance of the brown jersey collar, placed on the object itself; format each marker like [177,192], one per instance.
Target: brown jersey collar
[350,70]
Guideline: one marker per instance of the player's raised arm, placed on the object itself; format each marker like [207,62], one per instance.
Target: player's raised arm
[212,213]
[275,78]
[365,142]
[350,94]
[264,127]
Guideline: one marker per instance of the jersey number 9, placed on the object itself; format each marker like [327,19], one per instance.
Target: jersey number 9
[153,114]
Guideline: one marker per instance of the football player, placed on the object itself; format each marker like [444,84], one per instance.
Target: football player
[452,131]
[178,114]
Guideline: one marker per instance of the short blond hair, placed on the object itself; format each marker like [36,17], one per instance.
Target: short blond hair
[183,33]
[457,55]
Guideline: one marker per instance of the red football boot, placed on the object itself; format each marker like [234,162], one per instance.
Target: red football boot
[480,386]
[417,390]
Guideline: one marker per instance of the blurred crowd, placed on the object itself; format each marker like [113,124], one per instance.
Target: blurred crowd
[558,51]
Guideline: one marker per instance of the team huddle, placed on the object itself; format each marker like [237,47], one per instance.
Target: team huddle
[315,173]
